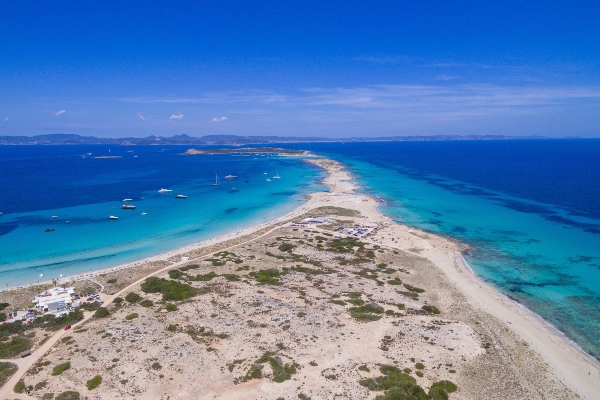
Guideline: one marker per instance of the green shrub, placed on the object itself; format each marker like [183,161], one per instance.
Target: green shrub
[170,307]
[267,276]
[113,280]
[19,387]
[419,366]
[364,368]
[133,297]
[101,313]
[281,372]
[146,303]
[176,274]
[6,371]
[3,306]
[367,312]
[204,277]
[286,247]
[156,366]
[68,396]
[440,390]
[431,309]
[118,300]
[172,328]
[3,317]
[171,290]
[395,281]
[413,289]
[131,316]
[60,368]
[12,348]
[94,382]
[338,302]
[188,267]
[419,374]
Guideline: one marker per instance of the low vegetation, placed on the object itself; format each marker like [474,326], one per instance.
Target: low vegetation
[267,276]
[6,371]
[281,372]
[170,290]
[11,348]
[101,312]
[60,368]
[70,395]
[398,385]
[133,297]
[94,382]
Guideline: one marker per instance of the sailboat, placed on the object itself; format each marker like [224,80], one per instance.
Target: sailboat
[277,174]
[216,181]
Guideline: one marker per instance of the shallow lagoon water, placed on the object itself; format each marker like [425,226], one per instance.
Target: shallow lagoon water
[46,181]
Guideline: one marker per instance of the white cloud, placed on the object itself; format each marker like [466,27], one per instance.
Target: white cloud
[176,116]
[6,119]
[222,119]
[61,112]
[140,116]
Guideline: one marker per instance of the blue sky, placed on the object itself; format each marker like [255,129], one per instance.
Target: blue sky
[309,68]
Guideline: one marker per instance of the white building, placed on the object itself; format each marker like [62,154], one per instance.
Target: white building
[55,299]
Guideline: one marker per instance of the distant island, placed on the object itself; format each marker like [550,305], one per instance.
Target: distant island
[232,140]
[250,150]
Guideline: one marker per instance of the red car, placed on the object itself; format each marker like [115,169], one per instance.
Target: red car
[67,327]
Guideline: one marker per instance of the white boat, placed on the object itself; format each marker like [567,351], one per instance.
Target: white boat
[54,216]
[216,181]
[164,190]
[268,180]
[181,196]
[277,174]
[144,213]
[233,188]
[125,200]
[113,217]
[128,207]
[231,177]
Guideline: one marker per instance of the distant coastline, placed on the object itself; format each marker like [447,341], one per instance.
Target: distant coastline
[237,140]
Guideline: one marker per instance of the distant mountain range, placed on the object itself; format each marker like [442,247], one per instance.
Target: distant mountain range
[61,138]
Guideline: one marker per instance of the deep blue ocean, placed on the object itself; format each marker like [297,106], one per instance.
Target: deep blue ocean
[530,208]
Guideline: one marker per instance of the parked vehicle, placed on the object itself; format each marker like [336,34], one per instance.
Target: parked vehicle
[67,327]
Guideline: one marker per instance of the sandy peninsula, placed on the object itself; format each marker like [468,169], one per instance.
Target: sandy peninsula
[297,311]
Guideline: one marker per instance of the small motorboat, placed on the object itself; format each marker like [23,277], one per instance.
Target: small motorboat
[164,190]
[246,181]
[144,213]
[125,200]
[181,196]
[49,230]
[268,180]
[128,207]
[231,177]
[54,216]
[113,217]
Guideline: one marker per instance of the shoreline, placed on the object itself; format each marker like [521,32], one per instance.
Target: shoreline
[568,361]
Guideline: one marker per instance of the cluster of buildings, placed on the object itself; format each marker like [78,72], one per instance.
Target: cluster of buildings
[56,300]
[358,231]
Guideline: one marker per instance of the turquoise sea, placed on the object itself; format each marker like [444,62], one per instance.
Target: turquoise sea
[45,181]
